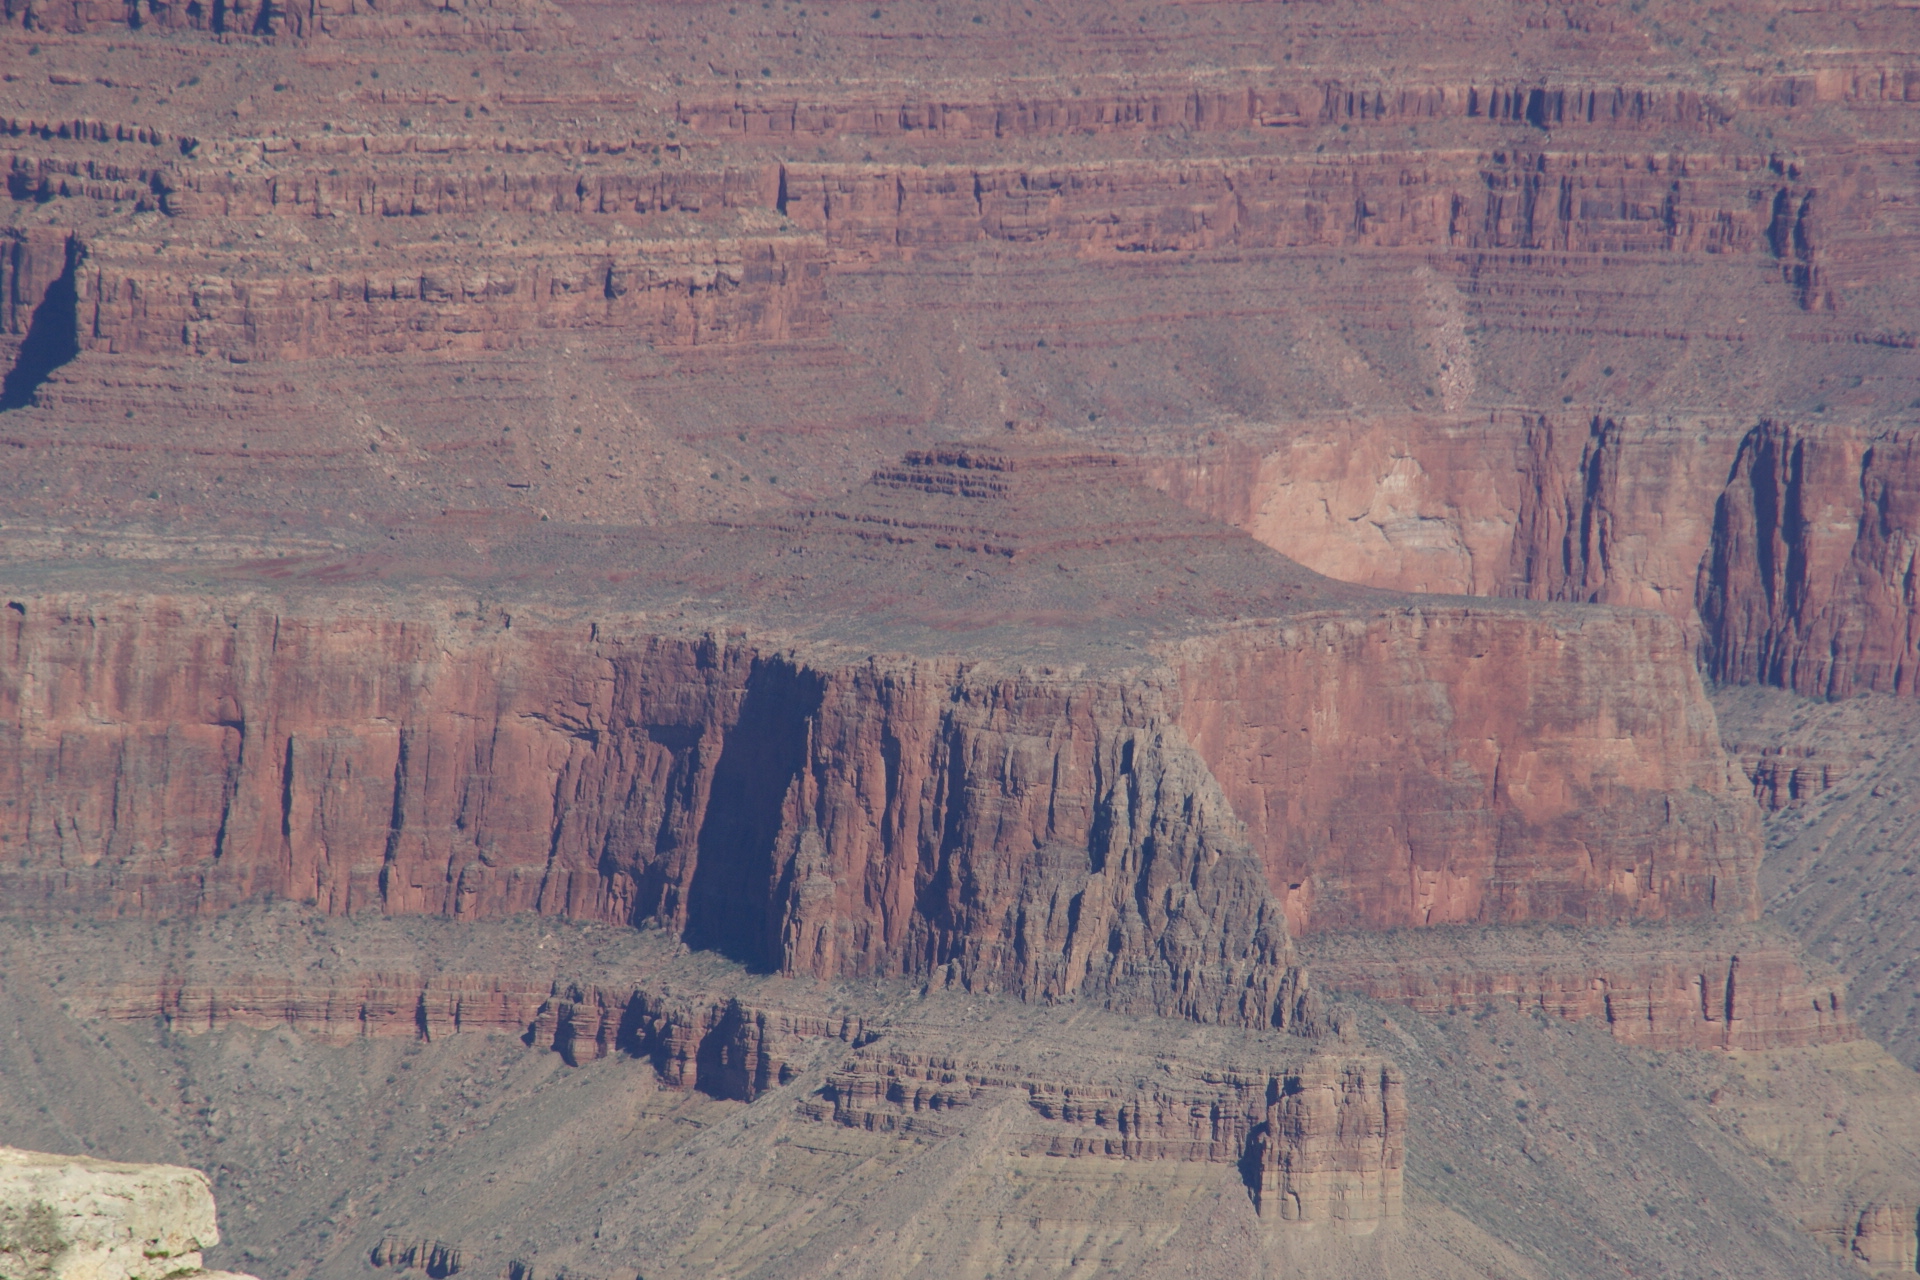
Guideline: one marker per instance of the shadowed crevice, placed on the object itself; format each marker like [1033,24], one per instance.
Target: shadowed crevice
[730,900]
[52,337]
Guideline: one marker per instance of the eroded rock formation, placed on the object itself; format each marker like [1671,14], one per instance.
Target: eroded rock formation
[1322,1143]
[1128,808]
[341,341]
[74,1218]
[1682,990]
[1809,584]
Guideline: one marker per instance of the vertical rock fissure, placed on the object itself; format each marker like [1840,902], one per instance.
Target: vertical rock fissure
[396,821]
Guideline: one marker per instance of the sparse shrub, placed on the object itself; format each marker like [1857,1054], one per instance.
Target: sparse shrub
[30,1241]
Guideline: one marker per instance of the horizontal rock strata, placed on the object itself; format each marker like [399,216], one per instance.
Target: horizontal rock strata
[347,1007]
[746,799]
[1785,547]
[1320,1143]
[1684,990]
[1200,745]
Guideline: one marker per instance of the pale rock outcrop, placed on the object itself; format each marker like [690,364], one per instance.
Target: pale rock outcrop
[76,1218]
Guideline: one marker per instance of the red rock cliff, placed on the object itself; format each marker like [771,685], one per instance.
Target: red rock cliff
[884,816]
[1568,769]
[1809,583]
[1040,835]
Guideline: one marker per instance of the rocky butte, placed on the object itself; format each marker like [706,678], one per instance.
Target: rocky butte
[795,639]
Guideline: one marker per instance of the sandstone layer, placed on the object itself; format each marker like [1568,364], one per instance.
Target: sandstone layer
[634,236]
[1702,988]
[1326,1140]
[1784,547]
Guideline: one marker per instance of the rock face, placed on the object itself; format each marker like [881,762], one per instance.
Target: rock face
[1321,1144]
[1785,547]
[1884,1238]
[1609,235]
[1597,508]
[1133,821]
[1318,1141]
[482,22]
[361,1004]
[1688,989]
[676,783]
[1809,584]
[430,431]
[1119,1149]
[72,1218]
[1572,770]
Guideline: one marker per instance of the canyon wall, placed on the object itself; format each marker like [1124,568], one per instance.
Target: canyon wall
[1785,549]
[1494,326]
[1437,765]
[672,294]
[1321,1140]
[481,23]
[1320,1143]
[1809,582]
[1592,509]
[1584,203]
[1455,216]
[1671,991]
[1570,770]
[1041,835]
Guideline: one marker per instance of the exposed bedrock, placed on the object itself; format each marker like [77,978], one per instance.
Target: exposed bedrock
[1038,831]
[1713,987]
[479,23]
[1786,548]
[1320,1142]
[1041,835]
[73,1218]
[714,1043]
[673,295]
[1319,1135]
[1465,766]
[1809,583]
[1584,508]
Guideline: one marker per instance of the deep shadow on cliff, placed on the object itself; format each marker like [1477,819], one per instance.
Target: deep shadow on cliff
[1003,709]
[52,331]
[430,434]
